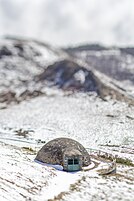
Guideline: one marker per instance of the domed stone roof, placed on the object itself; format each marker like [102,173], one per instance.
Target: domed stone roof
[56,150]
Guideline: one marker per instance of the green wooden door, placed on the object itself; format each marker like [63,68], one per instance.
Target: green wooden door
[73,165]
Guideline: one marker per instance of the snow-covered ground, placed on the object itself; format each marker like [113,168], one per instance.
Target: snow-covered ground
[88,119]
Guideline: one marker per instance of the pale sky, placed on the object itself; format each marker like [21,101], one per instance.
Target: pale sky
[67,22]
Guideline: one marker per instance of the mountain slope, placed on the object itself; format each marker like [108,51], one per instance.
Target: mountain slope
[115,62]
[20,61]
[28,67]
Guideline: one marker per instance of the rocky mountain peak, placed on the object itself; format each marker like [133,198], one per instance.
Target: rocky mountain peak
[69,75]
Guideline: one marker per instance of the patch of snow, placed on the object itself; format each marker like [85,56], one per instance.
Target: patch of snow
[80,76]
[57,167]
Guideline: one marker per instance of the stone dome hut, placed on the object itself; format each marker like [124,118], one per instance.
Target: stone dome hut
[66,152]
